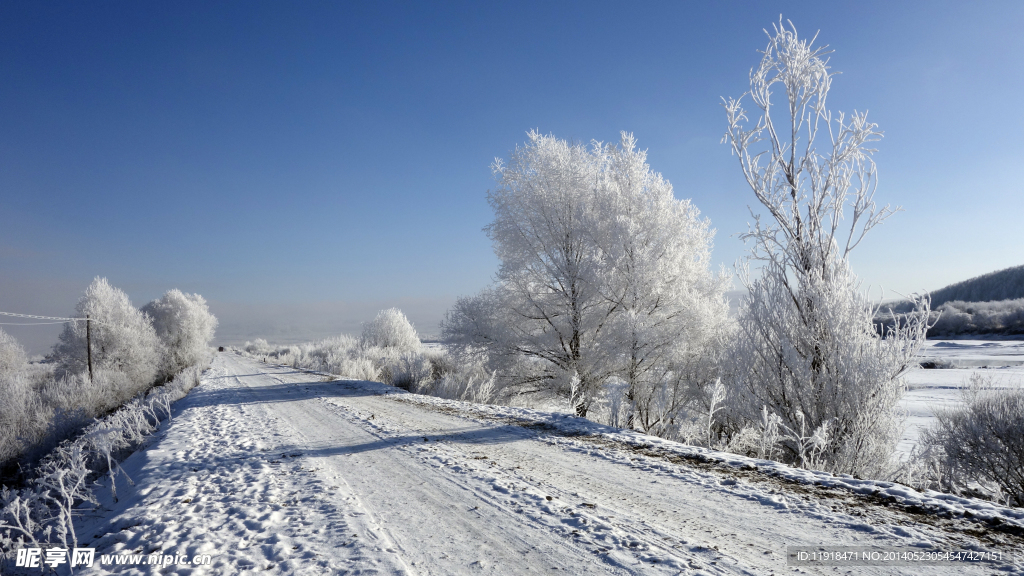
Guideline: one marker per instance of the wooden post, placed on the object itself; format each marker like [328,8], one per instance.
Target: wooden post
[88,343]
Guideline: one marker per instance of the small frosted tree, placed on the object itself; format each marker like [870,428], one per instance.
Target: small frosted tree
[123,339]
[391,329]
[185,326]
[807,348]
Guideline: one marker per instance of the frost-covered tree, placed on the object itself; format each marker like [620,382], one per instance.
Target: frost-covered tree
[547,312]
[185,326]
[603,274]
[807,348]
[123,338]
[391,329]
[654,268]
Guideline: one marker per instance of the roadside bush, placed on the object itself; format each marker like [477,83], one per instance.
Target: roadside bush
[389,351]
[980,442]
[391,329]
[185,326]
[257,347]
[408,371]
[12,355]
[23,417]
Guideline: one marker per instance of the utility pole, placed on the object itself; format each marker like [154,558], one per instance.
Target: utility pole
[88,343]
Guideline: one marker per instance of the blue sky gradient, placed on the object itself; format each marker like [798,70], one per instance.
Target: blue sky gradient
[302,165]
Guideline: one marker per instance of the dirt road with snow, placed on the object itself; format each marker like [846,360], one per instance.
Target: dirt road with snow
[271,470]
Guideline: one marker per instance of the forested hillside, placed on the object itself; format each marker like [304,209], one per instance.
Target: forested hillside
[1006,284]
[990,304]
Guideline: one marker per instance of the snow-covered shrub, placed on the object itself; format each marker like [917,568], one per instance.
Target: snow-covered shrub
[15,395]
[410,371]
[820,366]
[123,339]
[12,355]
[441,363]
[23,416]
[391,329]
[104,392]
[185,326]
[328,355]
[470,384]
[360,368]
[980,442]
[257,347]
[403,369]
[807,347]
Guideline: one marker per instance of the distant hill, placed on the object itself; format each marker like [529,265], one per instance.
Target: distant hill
[988,305]
[1007,284]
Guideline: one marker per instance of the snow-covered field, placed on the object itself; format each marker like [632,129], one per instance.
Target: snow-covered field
[273,471]
[1003,361]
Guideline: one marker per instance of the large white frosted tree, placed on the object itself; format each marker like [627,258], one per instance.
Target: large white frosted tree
[655,253]
[807,348]
[548,299]
[604,274]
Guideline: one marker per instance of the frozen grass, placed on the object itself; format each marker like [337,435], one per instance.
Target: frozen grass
[407,364]
[43,512]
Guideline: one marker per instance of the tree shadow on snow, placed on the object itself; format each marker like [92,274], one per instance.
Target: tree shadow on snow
[256,393]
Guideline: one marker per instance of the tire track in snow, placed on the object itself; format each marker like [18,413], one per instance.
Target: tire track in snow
[424,512]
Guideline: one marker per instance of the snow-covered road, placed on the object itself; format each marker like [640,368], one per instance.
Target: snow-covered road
[270,470]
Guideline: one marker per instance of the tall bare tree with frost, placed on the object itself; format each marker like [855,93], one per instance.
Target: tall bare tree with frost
[807,348]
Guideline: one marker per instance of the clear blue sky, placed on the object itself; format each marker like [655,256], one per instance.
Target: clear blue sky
[304,164]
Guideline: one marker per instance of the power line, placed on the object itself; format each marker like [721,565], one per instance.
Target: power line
[33,317]
[40,317]
[88,326]
[28,323]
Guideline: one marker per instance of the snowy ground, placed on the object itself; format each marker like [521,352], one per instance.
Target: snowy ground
[1003,361]
[273,471]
